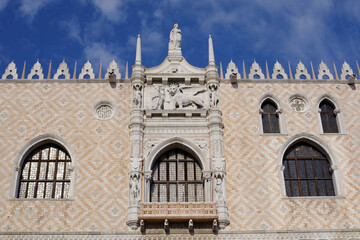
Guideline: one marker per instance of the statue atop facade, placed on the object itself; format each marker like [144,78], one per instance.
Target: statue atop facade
[175,38]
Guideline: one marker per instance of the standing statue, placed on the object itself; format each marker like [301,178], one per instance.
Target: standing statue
[175,38]
[213,95]
[137,97]
[158,100]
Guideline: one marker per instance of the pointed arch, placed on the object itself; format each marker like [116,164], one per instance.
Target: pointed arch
[321,146]
[29,147]
[186,146]
[277,116]
[339,118]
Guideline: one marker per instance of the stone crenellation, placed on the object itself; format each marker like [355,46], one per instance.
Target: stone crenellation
[323,72]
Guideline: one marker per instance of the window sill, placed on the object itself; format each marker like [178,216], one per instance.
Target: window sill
[333,134]
[41,199]
[314,197]
[273,134]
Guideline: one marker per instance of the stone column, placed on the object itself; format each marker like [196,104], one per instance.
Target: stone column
[136,139]
[215,125]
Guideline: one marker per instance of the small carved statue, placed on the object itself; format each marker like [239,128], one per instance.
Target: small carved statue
[219,188]
[214,99]
[175,38]
[166,225]
[134,189]
[158,99]
[137,99]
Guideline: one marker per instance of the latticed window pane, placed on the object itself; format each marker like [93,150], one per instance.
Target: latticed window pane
[45,173]
[307,172]
[328,117]
[270,118]
[179,178]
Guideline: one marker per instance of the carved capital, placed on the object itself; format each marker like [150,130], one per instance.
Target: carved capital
[333,168]
[148,175]
[261,111]
[279,111]
[337,110]
[207,175]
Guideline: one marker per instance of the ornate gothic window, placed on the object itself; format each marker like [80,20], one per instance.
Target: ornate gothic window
[45,173]
[307,172]
[177,177]
[270,117]
[328,117]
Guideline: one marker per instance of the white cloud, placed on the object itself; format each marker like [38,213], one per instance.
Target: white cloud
[3,4]
[113,10]
[73,29]
[31,7]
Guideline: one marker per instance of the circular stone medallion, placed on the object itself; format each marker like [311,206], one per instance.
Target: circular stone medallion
[298,103]
[103,110]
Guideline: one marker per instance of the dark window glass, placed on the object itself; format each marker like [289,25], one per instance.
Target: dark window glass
[177,177]
[270,118]
[307,172]
[328,117]
[45,173]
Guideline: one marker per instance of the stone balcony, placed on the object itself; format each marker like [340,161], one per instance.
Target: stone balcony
[178,211]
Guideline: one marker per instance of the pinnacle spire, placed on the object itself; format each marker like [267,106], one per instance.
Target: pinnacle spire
[211,52]
[138,50]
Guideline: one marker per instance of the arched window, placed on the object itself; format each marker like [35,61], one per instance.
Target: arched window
[270,117]
[45,173]
[177,177]
[307,172]
[328,117]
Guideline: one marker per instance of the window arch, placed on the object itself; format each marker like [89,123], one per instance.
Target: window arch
[270,117]
[45,173]
[328,116]
[177,177]
[307,171]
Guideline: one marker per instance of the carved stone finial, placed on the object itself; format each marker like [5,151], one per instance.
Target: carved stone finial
[87,70]
[36,70]
[346,71]
[324,71]
[255,70]
[278,70]
[10,71]
[63,69]
[301,71]
[114,69]
[232,71]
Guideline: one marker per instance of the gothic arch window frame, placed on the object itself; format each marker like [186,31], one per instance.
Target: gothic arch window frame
[339,115]
[282,123]
[27,149]
[324,149]
[186,146]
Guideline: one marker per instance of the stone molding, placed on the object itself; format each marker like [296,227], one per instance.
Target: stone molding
[242,235]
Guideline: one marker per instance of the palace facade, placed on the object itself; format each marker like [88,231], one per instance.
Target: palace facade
[180,152]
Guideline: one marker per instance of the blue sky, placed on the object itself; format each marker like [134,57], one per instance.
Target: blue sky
[286,30]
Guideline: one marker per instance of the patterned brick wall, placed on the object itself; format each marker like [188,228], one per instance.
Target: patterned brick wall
[254,195]
[253,183]
[101,147]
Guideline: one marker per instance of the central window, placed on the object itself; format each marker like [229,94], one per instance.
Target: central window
[177,177]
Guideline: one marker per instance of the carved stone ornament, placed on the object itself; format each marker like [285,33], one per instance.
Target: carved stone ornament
[301,71]
[87,70]
[63,69]
[149,145]
[218,164]
[219,190]
[36,70]
[346,71]
[134,186]
[298,103]
[175,38]
[177,97]
[135,164]
[255,69]
[157,101]
[279,70]
[137,95]
[213,95]
[114,69]
[324,71]
[10,71]
[232,70]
